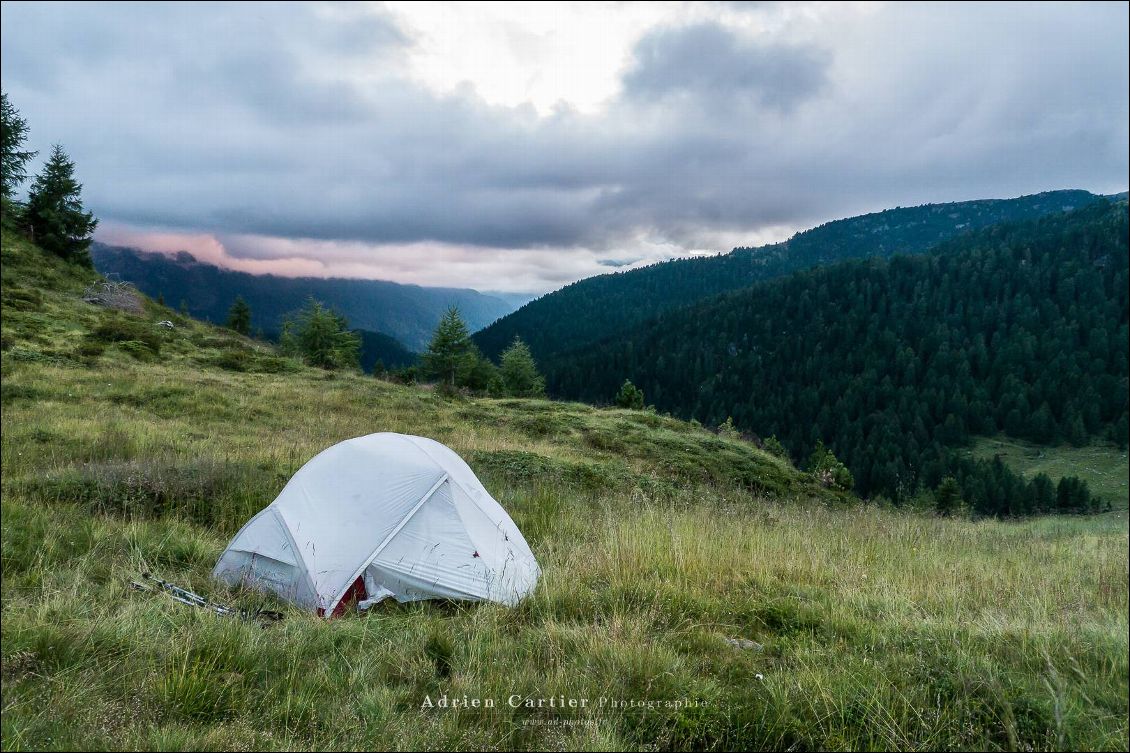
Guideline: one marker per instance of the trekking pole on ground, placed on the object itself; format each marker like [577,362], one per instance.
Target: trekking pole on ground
[184,596]
[188,597]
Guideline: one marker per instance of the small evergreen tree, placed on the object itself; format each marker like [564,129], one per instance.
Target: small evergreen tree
[450,353]
[1042,491]
[407,374]
[948,499]
[321,337]
[629,396]
[479,374]
[13,135]
[239,316]
[728,430]
[379,370]
[54,216]
[773,446]
[1121,432]
[519,373]
[828,470]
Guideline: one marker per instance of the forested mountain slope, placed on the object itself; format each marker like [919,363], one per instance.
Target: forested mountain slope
[599,307]
[407,313]
[1019,328]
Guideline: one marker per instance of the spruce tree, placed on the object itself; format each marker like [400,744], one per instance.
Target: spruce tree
[773,446]
[728,430]
[239,316]
[948,499]
[13,135]
[479,374]
[54,216]
[519,372]
[321,337]
[629,396]
[828,469]
[449,355]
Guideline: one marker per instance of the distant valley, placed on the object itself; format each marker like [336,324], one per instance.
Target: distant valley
[405,313]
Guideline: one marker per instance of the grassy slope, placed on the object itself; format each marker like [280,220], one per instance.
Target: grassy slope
[1104,467]
[658,541]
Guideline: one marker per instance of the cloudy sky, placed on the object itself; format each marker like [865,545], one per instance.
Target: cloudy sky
[519,147]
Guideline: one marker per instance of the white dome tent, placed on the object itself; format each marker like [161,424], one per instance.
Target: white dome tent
[384,515]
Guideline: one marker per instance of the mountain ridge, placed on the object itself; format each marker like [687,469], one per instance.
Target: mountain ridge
[597,307]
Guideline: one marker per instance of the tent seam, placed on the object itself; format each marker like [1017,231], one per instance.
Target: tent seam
[388,539]
[294,545]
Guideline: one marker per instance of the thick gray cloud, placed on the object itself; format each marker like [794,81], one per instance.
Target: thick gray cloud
[301,122]
[710,64]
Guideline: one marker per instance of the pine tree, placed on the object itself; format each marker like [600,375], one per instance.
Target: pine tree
[629,396]
[13,135]
[1042,493]
[773,446]
[239,316]
[321,337]
[54,216]
[828,469]
[948,499]
[479,374]
[449,354]
[519,373]
[728,430]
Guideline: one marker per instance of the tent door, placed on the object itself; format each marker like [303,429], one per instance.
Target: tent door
[376,593]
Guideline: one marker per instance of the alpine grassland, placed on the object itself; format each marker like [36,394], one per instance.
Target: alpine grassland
[1103,466]
[697,593]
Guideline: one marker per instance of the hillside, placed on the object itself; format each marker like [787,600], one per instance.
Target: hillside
[407,313]
[1020,328]
[377,346]
[1103,466]
[720,596]
[611,305]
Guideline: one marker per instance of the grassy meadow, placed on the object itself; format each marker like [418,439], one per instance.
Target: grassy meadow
[697,593]
[1104,467]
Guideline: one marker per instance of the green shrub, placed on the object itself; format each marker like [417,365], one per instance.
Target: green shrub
[244,360]
[22,299]
[138,350]
[90,349]
[122,329]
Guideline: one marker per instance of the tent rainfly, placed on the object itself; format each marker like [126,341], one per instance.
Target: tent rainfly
[379,516]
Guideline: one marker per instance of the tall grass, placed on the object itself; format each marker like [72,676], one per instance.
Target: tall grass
[697,593]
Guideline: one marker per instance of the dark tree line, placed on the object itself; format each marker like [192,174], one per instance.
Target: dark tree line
[1020,328]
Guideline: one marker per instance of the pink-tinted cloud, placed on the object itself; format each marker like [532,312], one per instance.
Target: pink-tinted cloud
[425,263]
